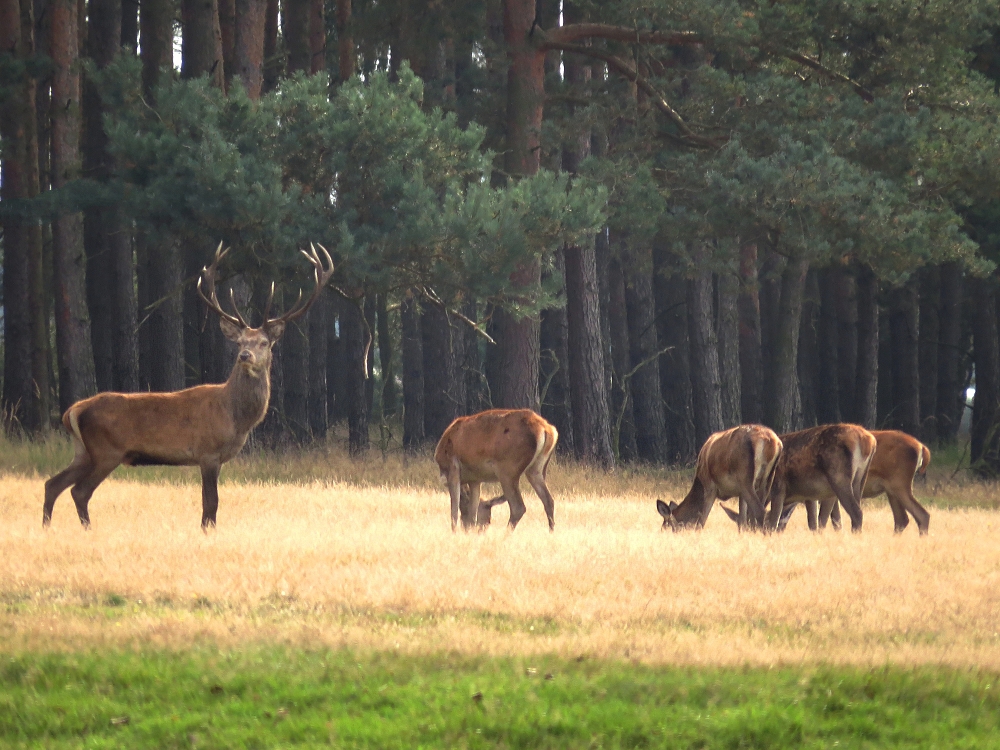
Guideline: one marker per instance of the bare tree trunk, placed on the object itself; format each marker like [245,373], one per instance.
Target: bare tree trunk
[781,403]
[622,416]
[985,435]
[866,383]
[828,409]
[345,40]
[951,386]
[295,31]
[728,286]
[751,362]
[352,332]
[165,319]
[905,362]
[846,302]
[386,359]
[319,321]
[413,374]
[675,364]
[317,36]
[930,334]
[440,371]
[227,35]
[808,364]
[476,390]
[296,367]
[272,64]
[705,386]
[130,25]
[202,41]
[336,365]
[554,385]
[248,45]
[73,349]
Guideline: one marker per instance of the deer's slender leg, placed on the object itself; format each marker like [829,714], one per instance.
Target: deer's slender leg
[920,514]
[469,504]
[515,502]
[537,481]
[786,514]
[835,516]
[77,470]
[900,520]
[812,514]
[85,487]
[827,507]
[847,498]
[455,490]
[209,494]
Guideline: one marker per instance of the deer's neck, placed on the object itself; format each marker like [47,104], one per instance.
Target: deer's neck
[249,393]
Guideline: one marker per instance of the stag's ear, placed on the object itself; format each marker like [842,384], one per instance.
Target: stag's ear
[274,330]
[664,509]
[230,330]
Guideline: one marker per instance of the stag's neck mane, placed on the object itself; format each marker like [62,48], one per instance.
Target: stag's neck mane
[249,393]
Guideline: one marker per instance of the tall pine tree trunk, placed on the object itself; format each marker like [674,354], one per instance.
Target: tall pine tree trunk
[846,301]
[320,320]
[782,403]
[728,287]
[751,361]
[808,369]
[345,40]
[623,439]
[413,373]
[248,45]
[866,382]
[670,290]
[828,409]
[295,361]
[202,41]
[386,358]
[317,36]
[554,382]
[705,386]
[985,432]
[295,31]
[930,335]
[903,323]
[951,385]
[352,332]
[73,348]
[441,370]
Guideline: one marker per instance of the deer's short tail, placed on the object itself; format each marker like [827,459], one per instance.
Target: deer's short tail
[924,459]
[545,444]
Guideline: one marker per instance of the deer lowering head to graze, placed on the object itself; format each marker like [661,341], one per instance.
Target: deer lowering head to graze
[898,458]
[203,426]
[830,459]
[738,462]
[498,445]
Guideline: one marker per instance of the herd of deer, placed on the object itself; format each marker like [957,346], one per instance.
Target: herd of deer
[823,467]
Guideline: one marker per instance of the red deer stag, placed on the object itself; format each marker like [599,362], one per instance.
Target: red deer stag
[818,462]
[203,426]
[498,445]
[898,457]
[738,462]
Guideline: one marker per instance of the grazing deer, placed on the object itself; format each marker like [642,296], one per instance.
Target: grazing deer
[830,459]
[738,462]
[898,458]
[498,445]
[203,426]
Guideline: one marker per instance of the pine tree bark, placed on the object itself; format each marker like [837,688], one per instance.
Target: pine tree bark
[443,393]
[781,403]
[809,356]
[336,365]
[728,286]
[705,386]
[295,31]
[929,335]
[317,36]
[345,40]
[984,446]
[675,364]
[386,358]
[846,302]
[227,35]
[476,390]
[370,327]
[156,38]
[903,323]
[951,386]
[751,362]
[352,331]
[866,382]
[296,366]
[73,349]
[248,45]
[202,41]
[828,409]
[554,367]
[517,337]
[622,415]
[165,317]
[319,322]
[413,374]
[130,25]
[19,404]
[272,65]
[640,307]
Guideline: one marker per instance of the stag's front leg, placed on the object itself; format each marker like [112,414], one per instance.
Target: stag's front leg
[455,490]
[209,495]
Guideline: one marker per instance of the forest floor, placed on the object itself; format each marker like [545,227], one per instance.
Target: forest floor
[320,558]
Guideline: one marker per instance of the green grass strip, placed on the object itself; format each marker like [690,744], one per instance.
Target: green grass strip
[265,697]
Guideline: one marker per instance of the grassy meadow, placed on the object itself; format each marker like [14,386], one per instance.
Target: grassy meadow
[333,605]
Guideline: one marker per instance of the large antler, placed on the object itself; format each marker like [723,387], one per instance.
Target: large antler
[212,300]
[322,272]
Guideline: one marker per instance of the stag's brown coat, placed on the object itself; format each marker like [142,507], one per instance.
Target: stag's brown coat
[898,458]
[499,445]
[738,462]
[204,426]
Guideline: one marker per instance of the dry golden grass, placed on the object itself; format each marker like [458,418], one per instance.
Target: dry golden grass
[378,567]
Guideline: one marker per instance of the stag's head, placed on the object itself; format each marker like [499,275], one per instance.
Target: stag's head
[255,344]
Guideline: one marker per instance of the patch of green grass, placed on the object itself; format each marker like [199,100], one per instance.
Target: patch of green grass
[273,696]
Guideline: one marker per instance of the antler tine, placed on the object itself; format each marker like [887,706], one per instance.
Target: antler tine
[236,308]
[270,299]
[212,299]
[322,273]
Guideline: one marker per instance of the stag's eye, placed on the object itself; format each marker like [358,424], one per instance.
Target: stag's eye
[262,344]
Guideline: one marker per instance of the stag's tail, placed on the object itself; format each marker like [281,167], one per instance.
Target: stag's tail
[923,460]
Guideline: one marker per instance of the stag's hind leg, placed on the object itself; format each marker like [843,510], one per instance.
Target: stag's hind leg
[77,470]
[537,481]
[515,502]
[85,487]
[851,502]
